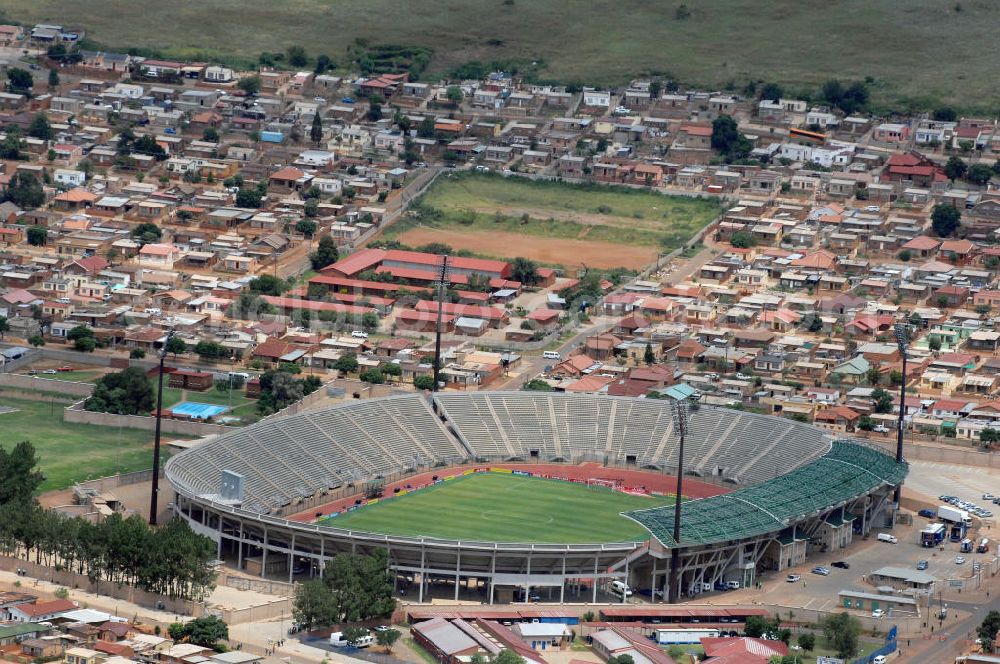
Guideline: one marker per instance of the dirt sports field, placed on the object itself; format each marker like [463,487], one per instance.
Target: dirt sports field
[541,249]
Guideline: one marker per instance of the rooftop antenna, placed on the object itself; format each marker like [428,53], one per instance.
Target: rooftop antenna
[443,276]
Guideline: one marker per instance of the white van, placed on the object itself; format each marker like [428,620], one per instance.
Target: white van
[551,355]
[732,585]
[620,588]
[886,537]
[337,640]
[879,659]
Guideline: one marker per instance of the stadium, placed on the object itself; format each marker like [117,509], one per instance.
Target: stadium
[508,496]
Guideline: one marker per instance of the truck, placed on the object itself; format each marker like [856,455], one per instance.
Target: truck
[933,534]
[953,514]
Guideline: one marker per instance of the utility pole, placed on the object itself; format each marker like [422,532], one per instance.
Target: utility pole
[902,341]
[156,436]
[680,424]
[440,314]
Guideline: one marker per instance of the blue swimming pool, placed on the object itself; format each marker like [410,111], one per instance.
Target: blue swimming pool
[198,411]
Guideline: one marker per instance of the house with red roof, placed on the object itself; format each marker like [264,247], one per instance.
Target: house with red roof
[838,418]
[287,179]
[915,168]
[41,611]
[741,650]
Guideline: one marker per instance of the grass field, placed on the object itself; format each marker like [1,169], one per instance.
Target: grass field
[71,453]
[553,222]
[499,507]
[933,50]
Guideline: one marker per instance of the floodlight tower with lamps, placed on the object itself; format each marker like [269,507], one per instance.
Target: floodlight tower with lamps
[902,341]
[680,423]
[156,435]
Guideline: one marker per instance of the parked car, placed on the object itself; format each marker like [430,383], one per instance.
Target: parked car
[878,613]
[792,578]
[66,368]
[842,564]
[50,371]
[359,334]
[927,513]
[922,565]
[959,560]
[822,571]
[988,496]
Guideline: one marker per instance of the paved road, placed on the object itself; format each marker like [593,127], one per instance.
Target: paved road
[532,365]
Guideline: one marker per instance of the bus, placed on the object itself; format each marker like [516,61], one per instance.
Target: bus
[984,546]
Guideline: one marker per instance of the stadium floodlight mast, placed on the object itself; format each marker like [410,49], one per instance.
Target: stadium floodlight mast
[902,340]
[680,423]
[156,435]
[437,328]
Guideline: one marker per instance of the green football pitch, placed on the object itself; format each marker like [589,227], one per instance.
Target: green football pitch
[500,507]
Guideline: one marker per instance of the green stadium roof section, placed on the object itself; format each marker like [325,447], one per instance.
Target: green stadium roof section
[847,471]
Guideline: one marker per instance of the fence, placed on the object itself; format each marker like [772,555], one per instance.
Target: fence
[106,588]
[942,454]
[114,481]
[42,384]
[76,414]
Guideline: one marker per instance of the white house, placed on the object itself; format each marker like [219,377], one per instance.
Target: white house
[329,186]
[596,98]
[216,74]
[70,178]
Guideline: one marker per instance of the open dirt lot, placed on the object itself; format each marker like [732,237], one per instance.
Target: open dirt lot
[541,249]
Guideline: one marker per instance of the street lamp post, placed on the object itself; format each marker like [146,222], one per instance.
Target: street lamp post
[680,422]
[156,436]
[902,341]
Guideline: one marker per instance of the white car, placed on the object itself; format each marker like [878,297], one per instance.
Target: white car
[960,560]
[878,613]
[358,334]
[871,208]
[792,578]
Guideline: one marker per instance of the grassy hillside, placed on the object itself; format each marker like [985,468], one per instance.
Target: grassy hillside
[915,51]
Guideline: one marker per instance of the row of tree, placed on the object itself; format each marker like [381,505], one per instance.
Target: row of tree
[354,587]
[172,560]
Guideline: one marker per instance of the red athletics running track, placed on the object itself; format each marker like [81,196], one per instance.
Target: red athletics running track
[647,480]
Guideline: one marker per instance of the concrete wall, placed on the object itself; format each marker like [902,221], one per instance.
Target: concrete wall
[42,384]
[270,611]
[77,415]
[954,454]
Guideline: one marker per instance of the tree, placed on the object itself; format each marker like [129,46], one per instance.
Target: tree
[206,631]
[882,401]
[19,476]
[807,641]
[987,631]
[278,390]
[137,353]
[354,587]
[423,382]
[323,63]
[757,627]
[455,94]
[297,56]
[311,208]
[40,127]
[36,340]
[866,423]
[19,81]
[25,191]
[268,284]
[955,168]
[10,147]
[979,174]
[325,254]
[842,631]
[945,219]
[346,363]
[306,227]
[771,92]
[426,127]
[647,355]
[147,233]
[392,369]
[905,255]
[210,350]
[127,392]
[727,139]
[934,343]
[38,236]
[313,605]
[249,84]
[742,240]
[316,130]
[176,346]
[507,656]
[387,637]
[53,78]
[249,198]
[945,114]
[373,376]
[989,436]
[524,270]
[537,385]
[873,374]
